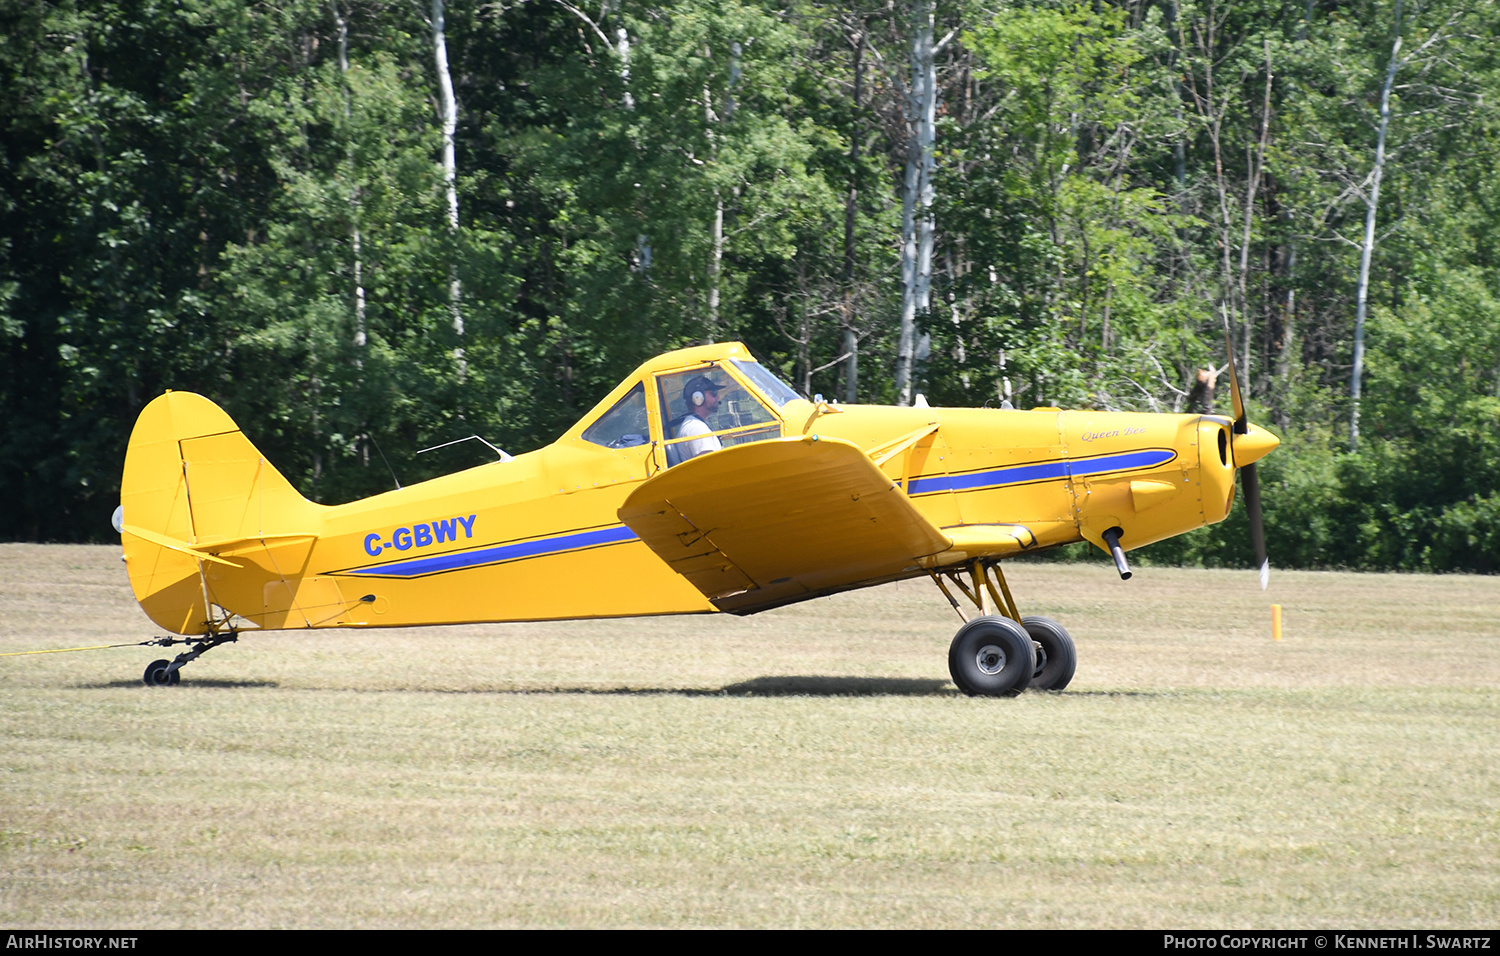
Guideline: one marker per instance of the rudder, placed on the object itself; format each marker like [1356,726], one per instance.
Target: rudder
[195,492]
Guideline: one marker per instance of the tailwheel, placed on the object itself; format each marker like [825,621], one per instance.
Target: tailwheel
[1056,657]
[160,673]
[992,657]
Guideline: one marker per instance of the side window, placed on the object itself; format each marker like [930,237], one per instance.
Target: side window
[706,409]
[624,425]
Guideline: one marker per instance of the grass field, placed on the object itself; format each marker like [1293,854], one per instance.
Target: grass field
[810,766]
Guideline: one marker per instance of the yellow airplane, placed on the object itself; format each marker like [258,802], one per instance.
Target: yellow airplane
[701,483]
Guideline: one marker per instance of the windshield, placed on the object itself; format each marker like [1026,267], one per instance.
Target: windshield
[773,388]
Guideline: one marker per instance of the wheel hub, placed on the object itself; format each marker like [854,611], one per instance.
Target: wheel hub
[990,659]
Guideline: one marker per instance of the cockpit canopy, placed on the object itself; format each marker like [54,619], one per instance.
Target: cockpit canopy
[689,408]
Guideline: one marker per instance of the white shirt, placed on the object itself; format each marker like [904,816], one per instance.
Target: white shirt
[691,426]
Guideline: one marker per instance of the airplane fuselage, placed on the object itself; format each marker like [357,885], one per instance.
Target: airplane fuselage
[540,536]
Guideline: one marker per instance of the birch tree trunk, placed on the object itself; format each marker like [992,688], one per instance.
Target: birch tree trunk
[850,338]
[1368,246]
[906,344]
[622,50]
[916,203]
[1257,172]
[716,240]
[360,332]
[450,172]
[715,262]
[716,229]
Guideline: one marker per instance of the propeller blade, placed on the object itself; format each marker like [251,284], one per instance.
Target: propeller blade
[1240,422]
[1248,476]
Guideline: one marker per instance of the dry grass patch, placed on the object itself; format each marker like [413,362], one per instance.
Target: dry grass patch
[809,766]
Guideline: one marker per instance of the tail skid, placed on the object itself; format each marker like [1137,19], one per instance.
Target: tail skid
[215,537]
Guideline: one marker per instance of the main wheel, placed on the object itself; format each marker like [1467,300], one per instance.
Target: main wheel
[991,657]
[1056,657]
[159,673]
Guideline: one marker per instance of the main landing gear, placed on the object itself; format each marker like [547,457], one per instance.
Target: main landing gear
[163,672]
[1000,655]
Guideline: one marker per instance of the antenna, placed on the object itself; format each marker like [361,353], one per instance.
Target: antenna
[501,453]
[383,458]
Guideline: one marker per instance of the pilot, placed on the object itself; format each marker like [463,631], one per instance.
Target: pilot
[701,395]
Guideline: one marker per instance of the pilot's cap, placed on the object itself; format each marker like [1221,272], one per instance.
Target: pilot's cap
[700,384]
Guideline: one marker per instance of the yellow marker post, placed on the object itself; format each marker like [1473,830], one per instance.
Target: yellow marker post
[1276,622]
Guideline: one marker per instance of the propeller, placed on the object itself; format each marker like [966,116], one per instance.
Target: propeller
[1248,445]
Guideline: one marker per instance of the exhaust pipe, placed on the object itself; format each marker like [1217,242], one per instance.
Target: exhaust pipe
[1112,538]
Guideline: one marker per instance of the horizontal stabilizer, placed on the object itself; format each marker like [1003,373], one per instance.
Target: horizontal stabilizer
[162,540]
[762,524]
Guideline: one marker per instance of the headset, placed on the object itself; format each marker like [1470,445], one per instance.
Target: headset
[697,396]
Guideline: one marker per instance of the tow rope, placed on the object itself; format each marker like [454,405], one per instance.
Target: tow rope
[64,650]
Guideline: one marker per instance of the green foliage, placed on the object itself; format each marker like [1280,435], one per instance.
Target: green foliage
[248,201]
[1076,287]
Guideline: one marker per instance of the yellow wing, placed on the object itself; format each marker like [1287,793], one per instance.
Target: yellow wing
[764,524]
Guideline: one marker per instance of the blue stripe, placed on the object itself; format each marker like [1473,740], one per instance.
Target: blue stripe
[1042,471]
[539,547]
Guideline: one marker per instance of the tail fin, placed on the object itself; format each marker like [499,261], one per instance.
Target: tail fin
[206,519]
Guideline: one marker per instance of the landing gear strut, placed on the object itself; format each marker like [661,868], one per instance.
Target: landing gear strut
[1000,655]
[162,673]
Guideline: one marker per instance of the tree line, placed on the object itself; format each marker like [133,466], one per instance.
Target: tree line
[367,227]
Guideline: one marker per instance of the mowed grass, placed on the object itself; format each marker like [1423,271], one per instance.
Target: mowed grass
[810,766]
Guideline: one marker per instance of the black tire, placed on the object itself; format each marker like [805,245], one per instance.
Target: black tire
[158,674]
[991,657]
[1057,658]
